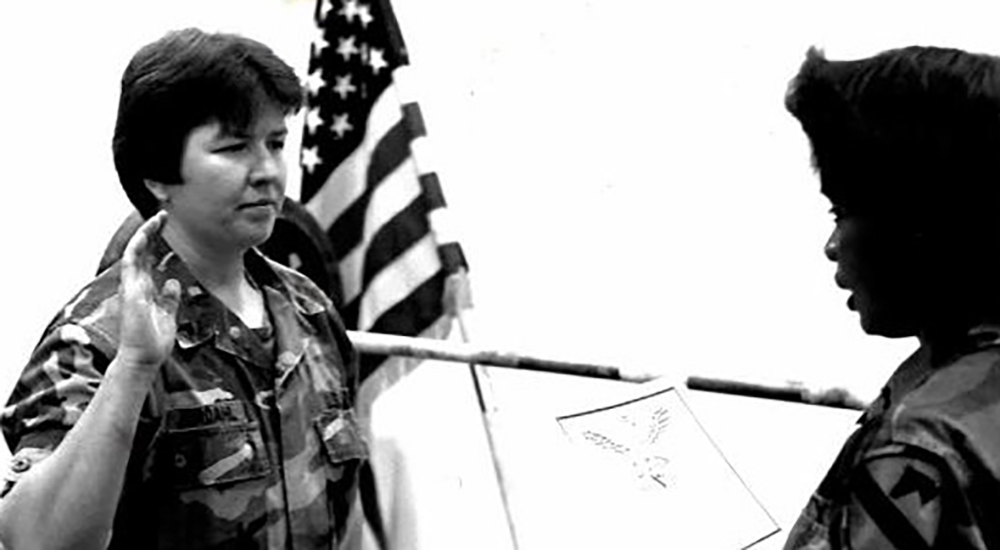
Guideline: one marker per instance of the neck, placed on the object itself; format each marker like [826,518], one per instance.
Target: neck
[222,273]
[217,270]
[945,338]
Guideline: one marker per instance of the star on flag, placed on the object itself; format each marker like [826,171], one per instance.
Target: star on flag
[346,47]
[343,87]
[320,43]
[350,10]
[313,119]
[314,82]
[376,60]
[340,125]
[310,159]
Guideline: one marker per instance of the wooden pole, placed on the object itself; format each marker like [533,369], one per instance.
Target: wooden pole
[488,410]
[368,342]
[836,398]
[423,348]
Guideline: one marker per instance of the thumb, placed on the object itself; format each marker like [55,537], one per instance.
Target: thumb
[170,296]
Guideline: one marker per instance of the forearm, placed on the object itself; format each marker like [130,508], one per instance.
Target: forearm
[69,499]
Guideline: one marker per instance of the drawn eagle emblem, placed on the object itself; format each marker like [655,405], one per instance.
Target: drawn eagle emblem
[637,449]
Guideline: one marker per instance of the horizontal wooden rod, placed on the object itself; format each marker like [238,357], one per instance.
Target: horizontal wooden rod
[443,350]
[836,398]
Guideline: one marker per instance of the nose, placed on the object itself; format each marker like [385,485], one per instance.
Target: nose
[832,246]
[268,167]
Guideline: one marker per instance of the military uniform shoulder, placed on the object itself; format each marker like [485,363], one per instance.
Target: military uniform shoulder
[968,376]
[91,297]
[958,406]
[305,293]
[94,308]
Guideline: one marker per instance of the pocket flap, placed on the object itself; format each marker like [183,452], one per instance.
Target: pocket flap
[211,445]
[338,430]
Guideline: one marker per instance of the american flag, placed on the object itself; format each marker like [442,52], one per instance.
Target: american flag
[362,184]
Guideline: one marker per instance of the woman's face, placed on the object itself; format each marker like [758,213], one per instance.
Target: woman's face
[878,264]
[233,184]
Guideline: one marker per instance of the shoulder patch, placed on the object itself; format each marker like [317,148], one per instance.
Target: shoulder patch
[899,503]
[913,481]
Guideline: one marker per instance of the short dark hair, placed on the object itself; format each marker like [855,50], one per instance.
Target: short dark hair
[912,134]
[183,80]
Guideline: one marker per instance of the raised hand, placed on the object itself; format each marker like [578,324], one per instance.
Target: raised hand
[148,323]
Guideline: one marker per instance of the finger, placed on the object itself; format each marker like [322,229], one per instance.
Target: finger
[170,296]
[136,248]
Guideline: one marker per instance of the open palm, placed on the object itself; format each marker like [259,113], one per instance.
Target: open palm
[148,322]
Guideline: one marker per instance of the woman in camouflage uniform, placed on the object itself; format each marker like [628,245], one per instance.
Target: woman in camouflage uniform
[907,146]
[195,394]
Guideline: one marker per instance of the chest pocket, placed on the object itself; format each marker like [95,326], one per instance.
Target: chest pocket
[345,451]
[212,445]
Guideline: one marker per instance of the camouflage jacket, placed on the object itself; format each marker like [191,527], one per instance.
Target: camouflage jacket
[239,444]
[923,468]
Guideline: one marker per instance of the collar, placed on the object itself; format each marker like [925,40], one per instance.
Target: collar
[201,316]
[919,366]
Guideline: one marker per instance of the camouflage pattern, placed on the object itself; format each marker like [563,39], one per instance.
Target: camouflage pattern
[238,445]
[931,445]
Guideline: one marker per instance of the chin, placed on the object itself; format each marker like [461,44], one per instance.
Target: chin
[257,238]
[261,239]
[887,328]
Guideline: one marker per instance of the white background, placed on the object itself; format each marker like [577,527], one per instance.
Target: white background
[623,177]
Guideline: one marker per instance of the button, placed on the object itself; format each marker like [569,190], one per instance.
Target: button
[264,399]
[286,359]
[20,464]
[235,332]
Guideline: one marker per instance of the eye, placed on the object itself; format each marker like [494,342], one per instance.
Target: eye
[232,147]
[276,144]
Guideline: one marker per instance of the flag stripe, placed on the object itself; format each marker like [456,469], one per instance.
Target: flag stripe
[415,119]
[419,263]
[347,182]
[441,225]
[349,313]
[390,198]
[418,311]
[350,273]
[393,33]
[389,154]
[393,238]
[432,190]
[452,257]
[341,189]
[412,317]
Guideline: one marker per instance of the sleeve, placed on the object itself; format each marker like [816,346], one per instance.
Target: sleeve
[352,364]
[52,392]
[907,501]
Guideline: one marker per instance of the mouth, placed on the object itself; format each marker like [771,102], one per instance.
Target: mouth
[263,203]
[838,279]
[843,284]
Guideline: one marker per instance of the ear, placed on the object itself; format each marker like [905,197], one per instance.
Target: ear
[158,189]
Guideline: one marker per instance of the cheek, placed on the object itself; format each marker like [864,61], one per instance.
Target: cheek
[212,169]
[892,296]
[215,183]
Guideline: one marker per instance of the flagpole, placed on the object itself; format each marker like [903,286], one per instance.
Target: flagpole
[487,408]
